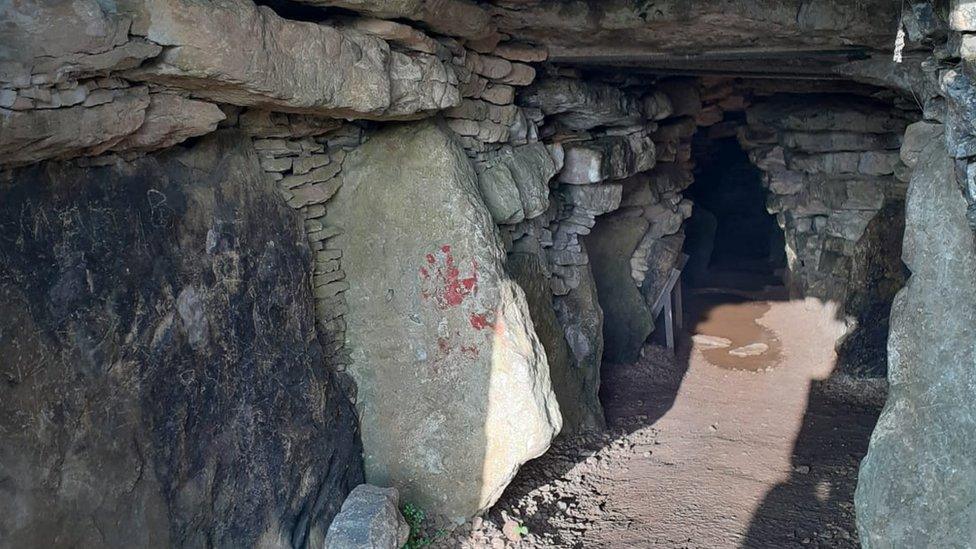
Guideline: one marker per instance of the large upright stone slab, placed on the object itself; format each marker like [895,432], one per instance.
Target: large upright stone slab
[573,382]
[454,390]
[581,317]
[917,485]
[162,382]
[627,318]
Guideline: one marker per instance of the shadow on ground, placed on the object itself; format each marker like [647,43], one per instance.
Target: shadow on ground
[812,508]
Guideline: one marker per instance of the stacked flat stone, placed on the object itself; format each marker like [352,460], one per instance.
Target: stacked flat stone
[627,159]
[588,144]
[307,171]
[830,167]
[957,86]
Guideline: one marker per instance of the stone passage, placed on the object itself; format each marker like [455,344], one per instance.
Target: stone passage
[253,253]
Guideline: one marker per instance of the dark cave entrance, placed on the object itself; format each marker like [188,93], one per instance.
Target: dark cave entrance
[730,233]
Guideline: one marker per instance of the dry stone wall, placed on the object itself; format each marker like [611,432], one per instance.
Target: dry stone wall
[836,185]
[915,484]
[307,171]
[836,174]
[625,151]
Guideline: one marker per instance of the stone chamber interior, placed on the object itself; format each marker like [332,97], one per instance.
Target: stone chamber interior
[281,273]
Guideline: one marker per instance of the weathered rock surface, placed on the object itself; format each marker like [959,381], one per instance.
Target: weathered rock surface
[451,17]
[831,114]
[917,137]
[73,131]
[916,486]
[581,105]
[627,318]
[581,317]
[576,390]
[169,120]
[369,519]
[611,157]
[162,381]
[235,52]
[613,29]
[515,182]
[653,260]
[55,40]
[441,338]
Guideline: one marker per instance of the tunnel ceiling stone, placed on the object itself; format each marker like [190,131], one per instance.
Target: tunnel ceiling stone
[733,35]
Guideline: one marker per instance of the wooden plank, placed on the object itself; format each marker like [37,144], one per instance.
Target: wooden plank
[669,323]
[679,319]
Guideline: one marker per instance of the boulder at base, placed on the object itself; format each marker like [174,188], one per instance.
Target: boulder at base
[370,519]
[917,485]
[454,388]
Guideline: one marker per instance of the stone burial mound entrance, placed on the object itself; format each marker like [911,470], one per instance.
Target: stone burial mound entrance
[546,274]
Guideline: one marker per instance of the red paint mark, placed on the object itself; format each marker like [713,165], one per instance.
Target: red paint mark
[470,352]
[444,345]
[448,287]
[479,321]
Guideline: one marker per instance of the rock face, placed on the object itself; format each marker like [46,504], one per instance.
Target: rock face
[916,486]
[627,317]
[369,519]
[56,40]
[72,131]
[163,384]
[441,339]
[284,64]
[575,378]
[580,315]
[578,29]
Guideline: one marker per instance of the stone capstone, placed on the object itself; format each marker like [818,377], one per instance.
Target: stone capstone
[441,339]
[234,52]
[451,17]
[161,310]
[369,519]
[916,486]
[584,32]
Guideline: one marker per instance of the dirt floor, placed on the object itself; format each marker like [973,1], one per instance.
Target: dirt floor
[699,454]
